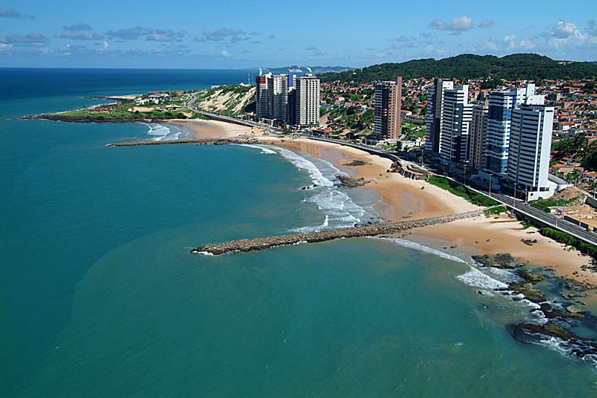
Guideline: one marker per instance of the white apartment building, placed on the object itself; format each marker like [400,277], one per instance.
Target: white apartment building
[307,100]
[456,117]
[435,94]
[529,151]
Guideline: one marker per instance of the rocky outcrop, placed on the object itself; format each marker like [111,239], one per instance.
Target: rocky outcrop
[528,290]
[352,182]
[502,260]
[385,228]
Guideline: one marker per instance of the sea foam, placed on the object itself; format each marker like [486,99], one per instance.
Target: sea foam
[264,149]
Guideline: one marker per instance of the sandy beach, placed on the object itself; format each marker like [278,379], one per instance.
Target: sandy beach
[215,128]
[404,199]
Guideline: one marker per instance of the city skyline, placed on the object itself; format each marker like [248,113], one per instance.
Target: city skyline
[236,35]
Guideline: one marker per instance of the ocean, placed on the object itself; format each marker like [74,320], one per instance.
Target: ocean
[101,297]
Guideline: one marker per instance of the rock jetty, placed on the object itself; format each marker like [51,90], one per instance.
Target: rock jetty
[198,141]
[385,228]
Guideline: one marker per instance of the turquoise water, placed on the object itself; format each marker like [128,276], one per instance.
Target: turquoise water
[99,295]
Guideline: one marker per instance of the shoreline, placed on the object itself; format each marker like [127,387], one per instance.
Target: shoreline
[404,199]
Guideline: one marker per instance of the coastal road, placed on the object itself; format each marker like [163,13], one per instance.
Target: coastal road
[554,222]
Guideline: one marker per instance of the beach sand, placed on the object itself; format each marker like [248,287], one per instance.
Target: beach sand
[215,129]
[403,199]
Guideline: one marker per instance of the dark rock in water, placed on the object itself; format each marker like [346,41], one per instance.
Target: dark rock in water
[529,291]
[525,331]
[545,307]
[530,276]
[530,333]
[503,260]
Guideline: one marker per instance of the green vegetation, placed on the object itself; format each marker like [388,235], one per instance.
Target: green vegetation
[462,191]
[570,240]
[543,204]
[412,130]
[577,148]
[495,210]
[467,66]
[353,118]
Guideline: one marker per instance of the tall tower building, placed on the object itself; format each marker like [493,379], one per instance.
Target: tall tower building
[277,87]
[307,100]
[388,104]
[530,146]
[499,120]
[261,96]
[456,117]
[478,136]
[434,113]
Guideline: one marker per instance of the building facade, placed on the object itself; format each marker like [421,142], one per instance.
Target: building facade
[388,104]
[499,121]
[478,136]
[456,117]
[307,100]
[435,94]
[261,97]
[529,151]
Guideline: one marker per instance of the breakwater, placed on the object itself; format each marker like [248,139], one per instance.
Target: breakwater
[385,228]
[198,141]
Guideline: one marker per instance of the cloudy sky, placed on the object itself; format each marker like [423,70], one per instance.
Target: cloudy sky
[247,34]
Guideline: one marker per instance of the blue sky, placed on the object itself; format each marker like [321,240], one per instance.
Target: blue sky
[247,34]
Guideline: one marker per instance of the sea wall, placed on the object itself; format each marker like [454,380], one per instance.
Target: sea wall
[385,228]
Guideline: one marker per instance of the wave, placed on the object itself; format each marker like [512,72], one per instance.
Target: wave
[426,249]
[162,132]
[302,163]
[264,149]
[338,208]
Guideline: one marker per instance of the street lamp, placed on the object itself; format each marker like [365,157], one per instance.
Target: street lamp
[490,176]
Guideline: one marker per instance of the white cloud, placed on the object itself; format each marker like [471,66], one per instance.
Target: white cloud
[458,24]
[564,35]
[225,54]
[462,23]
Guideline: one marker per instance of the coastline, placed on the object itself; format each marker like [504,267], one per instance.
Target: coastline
[404,199]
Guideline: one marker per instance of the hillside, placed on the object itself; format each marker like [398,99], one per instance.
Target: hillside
[467,66]
[228,100]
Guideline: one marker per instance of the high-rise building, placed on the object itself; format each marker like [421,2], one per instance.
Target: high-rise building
[530,146]
[261,97]
[388,104]
[434,113]
[292,112]
[277,87]
[478,136]
[307,100]
[499,120]
[456,117]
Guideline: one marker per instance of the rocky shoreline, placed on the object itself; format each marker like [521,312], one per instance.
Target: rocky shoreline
[560,317]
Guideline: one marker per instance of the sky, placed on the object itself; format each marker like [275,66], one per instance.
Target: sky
[252,33]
